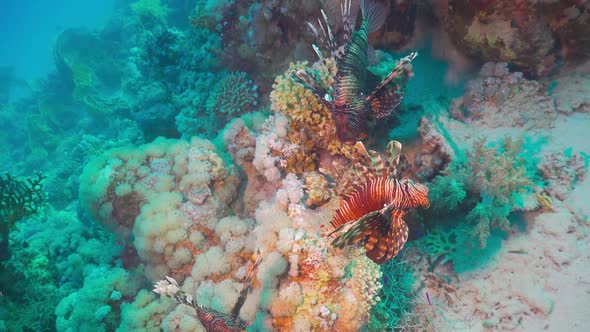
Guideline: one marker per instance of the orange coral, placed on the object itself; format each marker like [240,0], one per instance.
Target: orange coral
[311,126]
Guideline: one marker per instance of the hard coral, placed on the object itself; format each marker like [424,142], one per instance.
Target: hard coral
[499,98]
[232,95]
[500,31]
[562,171]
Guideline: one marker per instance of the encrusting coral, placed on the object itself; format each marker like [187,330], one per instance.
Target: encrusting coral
[175,198]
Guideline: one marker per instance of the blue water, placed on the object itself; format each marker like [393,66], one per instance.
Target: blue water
[30,27]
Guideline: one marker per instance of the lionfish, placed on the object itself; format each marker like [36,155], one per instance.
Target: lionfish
[351,100]
[212,320]
[372,206]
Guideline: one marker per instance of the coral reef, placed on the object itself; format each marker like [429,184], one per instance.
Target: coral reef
[562,171]
[499,31]
[498,97]
[529,34]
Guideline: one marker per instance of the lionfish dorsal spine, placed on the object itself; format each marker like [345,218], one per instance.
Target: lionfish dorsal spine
[326,36]
[374,15]
[347,20]
[392,155]
[317,51]
[377,163]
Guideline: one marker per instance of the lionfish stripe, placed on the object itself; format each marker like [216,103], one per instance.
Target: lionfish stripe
[377,162]
[389,242]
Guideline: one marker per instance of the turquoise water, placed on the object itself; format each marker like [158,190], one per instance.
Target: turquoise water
[198,165]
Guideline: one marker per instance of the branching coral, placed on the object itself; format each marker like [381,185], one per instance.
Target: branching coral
[395,298]
[19,198]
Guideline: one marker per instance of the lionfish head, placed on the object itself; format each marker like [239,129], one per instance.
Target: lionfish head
[416,194]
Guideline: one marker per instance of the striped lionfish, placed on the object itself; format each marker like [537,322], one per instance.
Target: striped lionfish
[373,205]
[351,100]
[212,320]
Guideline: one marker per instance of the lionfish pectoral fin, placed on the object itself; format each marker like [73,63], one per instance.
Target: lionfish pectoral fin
[369,223]
[388,94]
[382,247]
[308,82]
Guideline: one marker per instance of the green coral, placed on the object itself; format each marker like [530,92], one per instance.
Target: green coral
[490,182]
[397,295]
[455,243]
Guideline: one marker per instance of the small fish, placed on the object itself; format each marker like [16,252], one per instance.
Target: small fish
[352,100]
[519,251]
[428,298]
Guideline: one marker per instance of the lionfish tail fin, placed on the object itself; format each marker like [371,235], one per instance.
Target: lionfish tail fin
[308,82]
[374,15]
